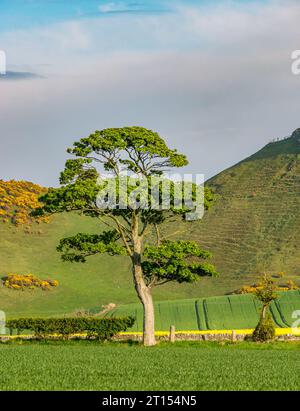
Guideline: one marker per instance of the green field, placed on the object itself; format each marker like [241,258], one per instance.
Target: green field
[182,366]
[214,313]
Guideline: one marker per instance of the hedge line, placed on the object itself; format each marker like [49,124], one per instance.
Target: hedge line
[101,328]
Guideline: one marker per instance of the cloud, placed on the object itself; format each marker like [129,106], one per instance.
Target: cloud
[113,7]
[137,7]
[218,87]
[19,75]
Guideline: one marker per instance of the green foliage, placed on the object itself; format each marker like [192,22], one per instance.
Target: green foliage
[171,261]
[266,291]
[176,261]
[100,328]
[81,246]
[136,148]
[131,149]
[77,196]
[265,329]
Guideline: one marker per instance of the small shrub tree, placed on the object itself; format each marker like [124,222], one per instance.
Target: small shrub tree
[265,329]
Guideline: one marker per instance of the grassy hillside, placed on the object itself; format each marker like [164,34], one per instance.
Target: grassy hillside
[214,313]
[253,227]
[101,280]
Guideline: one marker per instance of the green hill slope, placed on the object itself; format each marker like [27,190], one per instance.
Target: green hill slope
[214,313]
[101,280]
[254,226]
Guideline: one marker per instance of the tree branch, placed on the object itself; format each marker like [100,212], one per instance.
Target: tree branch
[158,237]
[120,229]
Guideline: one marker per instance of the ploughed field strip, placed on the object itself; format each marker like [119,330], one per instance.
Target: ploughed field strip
[214,313]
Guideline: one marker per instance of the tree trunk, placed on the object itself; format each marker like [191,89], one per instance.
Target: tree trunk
[145,296]
[264,311]
[148,320]
[143,291]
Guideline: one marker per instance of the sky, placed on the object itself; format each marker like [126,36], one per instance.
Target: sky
[212,77]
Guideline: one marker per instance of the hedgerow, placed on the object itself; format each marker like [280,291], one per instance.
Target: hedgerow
[100,328]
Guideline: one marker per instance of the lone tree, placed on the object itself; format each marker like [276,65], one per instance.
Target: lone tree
[135,230]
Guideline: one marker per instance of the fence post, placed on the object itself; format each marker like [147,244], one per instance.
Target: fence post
[233,336]
[172,334]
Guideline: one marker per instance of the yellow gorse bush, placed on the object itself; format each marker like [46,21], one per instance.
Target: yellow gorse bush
[17,200]
[30,281]
[251,289]
[278,331]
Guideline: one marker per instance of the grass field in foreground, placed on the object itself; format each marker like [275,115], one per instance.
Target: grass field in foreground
[181,366]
